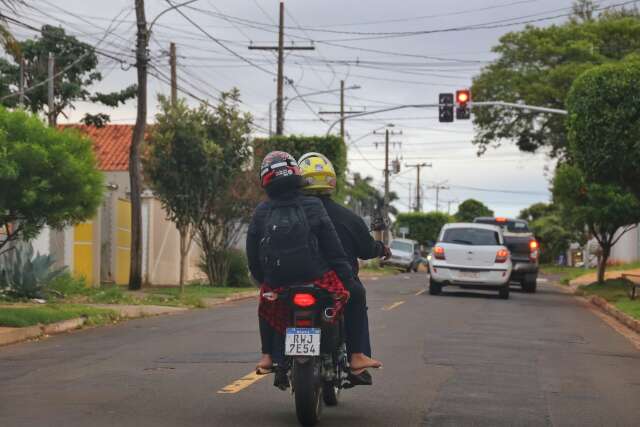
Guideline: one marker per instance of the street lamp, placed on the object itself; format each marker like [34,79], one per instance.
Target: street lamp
[271,114]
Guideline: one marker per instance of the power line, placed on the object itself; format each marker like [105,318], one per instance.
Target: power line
[218,42]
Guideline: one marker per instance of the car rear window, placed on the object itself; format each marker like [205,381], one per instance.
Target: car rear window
[512,226]
[401,246]
[471,236]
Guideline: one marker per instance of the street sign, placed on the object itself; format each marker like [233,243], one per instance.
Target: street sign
[404,231]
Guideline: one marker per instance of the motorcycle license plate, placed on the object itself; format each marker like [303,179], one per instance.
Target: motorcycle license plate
[302,342]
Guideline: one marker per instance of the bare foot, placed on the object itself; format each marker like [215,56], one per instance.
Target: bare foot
[360,362]
[265,365]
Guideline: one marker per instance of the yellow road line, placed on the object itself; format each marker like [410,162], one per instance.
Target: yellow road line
[421,292]
[392,306]
[241,384]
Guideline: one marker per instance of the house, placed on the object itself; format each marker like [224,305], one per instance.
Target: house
[99,249]
[627,249]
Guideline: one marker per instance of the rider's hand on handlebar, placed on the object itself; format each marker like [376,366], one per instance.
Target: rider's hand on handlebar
[386,253]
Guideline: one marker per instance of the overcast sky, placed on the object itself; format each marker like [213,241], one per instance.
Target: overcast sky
[351,45]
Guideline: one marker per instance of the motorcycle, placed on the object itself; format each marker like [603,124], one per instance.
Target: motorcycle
[315,363]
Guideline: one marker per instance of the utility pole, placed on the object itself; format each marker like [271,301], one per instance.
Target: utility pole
[419,167]
[385,207]
[341,112]
[280,84]
[280,74]
[438,187]
[142,59]
[50,92]
[173,62]
[22,103]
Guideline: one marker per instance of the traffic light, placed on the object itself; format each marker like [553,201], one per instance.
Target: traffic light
[445,108]
[463,97]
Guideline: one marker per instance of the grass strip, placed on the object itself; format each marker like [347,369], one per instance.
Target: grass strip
[615,291]
[21,316]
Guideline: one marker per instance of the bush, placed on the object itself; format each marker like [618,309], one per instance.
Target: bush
[23,275]
[238,270]
[238,276]
[65,285]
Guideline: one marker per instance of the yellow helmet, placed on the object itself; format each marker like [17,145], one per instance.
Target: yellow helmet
[318,173]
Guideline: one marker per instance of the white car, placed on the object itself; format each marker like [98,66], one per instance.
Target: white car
[470,256]
[402,253]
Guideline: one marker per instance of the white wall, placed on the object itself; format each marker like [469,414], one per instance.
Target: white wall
[628,247]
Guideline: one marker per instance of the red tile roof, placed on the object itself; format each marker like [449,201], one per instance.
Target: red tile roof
[111,144]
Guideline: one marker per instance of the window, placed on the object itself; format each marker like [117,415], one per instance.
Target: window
[401,246]
[510,225]
[471,236]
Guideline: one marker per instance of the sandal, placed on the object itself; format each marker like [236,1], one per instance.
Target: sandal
[360,377]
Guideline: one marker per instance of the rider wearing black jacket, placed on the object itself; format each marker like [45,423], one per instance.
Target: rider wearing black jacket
[357,242]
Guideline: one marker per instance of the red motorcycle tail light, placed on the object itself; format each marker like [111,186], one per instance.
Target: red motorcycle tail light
[304,300]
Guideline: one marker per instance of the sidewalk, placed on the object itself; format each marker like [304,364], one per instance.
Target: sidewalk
[124,311]
[588,279]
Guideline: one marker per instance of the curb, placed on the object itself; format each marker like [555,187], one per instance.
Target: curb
[30,332]
[20,334]
[237,297]
[610,310]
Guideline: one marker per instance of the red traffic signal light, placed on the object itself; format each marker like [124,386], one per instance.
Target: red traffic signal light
[463,97]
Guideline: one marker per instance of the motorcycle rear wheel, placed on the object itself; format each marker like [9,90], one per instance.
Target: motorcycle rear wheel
[307,386]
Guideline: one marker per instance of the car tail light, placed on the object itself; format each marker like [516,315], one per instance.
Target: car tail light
[438,252]
[304,300]
[534,249]
[502,255]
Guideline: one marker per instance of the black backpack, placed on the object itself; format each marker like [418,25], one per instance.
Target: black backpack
[289,250]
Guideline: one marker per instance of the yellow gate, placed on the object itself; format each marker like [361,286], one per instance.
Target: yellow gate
[83,241]
[123,241]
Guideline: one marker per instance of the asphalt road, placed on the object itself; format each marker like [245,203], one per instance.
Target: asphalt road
[459,359]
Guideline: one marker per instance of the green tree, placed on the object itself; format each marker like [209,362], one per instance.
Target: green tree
[174,167]
[46,177]
[7,40]
[227,191]
[75,61]
[546,223]
[554,236]
[537,66]
[536,211]
[604,124]
[365,199]
[331,146]
[470,209]
[423,227]
[607,211]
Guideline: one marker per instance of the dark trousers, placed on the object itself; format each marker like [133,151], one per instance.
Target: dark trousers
[356,325]
[357,321]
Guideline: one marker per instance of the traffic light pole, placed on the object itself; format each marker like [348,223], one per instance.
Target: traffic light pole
[471,105]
